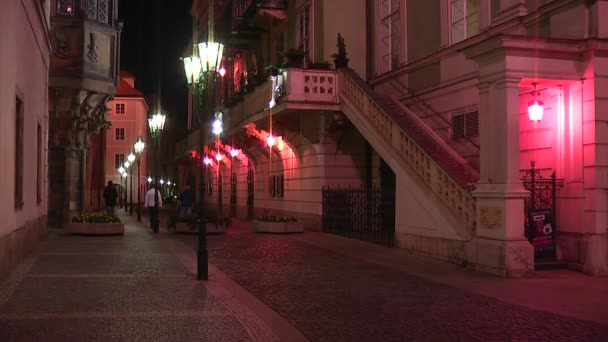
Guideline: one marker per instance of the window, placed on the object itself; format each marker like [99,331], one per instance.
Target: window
[39,165]
[465,125]
[119,160]
[276,186]
[120,108]
[18,153]
[464,22]
[389,11]
[65,7]
[233,188]
[120,134]
[304,28]
[98,10]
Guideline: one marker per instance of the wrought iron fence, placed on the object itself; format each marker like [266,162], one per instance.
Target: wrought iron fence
[365,214]
[540,209]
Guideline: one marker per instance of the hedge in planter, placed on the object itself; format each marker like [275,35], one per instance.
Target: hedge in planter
[96,224]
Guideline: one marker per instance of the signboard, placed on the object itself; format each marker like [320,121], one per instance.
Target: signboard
[541,232]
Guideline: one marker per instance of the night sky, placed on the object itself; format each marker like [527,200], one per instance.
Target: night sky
[141,50]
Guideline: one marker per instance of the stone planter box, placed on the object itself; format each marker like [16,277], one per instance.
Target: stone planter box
[277,227]
[96,228]
[183,227]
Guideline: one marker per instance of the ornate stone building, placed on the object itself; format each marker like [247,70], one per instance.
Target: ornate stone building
[83,78]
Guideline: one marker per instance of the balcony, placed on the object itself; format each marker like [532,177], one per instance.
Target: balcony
[293,90]
[275,8]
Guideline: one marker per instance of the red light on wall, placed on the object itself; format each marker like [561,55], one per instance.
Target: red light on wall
[234,153]
[535,107]
[193,154]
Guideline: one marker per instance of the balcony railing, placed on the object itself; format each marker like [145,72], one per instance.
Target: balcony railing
[308,85]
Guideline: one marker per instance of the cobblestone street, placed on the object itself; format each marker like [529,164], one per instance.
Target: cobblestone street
[330,297]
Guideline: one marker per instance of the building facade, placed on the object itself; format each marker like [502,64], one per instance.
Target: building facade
[83,77]
[25,47]
[128,117]
[476,138]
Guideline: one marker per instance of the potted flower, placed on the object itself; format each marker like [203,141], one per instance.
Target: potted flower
[277,224]
[340,59]
[275,70]
[190,223]
[96,224]
[295,58]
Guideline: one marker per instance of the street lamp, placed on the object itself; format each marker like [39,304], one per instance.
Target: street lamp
[156,124]
[139,148]
[131,159]
[204,63]
[120,171]
[126,165]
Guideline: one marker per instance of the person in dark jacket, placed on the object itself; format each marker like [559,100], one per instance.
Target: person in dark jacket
[109,195]
[187,198]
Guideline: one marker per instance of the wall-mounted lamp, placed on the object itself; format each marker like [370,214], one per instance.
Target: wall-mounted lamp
[535,107]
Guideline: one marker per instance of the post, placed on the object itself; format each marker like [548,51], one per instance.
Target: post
[202,256]
[131,192]
[126,185]
[155,225]
[138,191]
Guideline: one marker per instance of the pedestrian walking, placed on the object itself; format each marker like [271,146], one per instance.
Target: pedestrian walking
[154,201]
[109,196]
[187,198]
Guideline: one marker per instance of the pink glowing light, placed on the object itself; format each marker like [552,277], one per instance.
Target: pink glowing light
[207,161]
[270,140]
[535,110]
[234,152]
[218,157]
[222,71]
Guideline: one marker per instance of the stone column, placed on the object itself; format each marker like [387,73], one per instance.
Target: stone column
[75,115]
[500,246]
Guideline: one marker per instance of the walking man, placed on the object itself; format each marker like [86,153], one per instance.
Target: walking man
[109,195]
[153,201]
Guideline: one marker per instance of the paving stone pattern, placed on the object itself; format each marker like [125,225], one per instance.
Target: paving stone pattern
[329,297]
[115,288]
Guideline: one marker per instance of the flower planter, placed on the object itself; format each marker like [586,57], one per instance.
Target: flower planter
[96,228]
[277,227]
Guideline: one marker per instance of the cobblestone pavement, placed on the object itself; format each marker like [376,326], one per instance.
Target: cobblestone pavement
[110,288]
[330,297]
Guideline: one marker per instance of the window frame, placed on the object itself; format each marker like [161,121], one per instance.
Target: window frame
[119,133]
[304,28]
[119,108]
[19,140]
[465,20]
[119,160]
[470,125]
[389,37]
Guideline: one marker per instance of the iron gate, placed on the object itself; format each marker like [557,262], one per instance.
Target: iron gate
[540,209]
[365,214]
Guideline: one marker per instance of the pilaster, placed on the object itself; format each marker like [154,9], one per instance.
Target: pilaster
[499,245]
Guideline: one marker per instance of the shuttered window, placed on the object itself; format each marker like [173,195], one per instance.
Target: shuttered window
[465,125]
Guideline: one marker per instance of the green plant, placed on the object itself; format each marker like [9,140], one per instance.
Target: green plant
[294,53]
[99,217]
[273,218]
[341,55]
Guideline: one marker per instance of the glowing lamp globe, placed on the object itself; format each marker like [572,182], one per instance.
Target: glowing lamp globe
[222,71]
[149,179]
[234,153]
[207,161]
[162,181]
[121,170]
[217,126]
[270,140]
[218,157]
[535,110]
[124,174]
[131,157]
